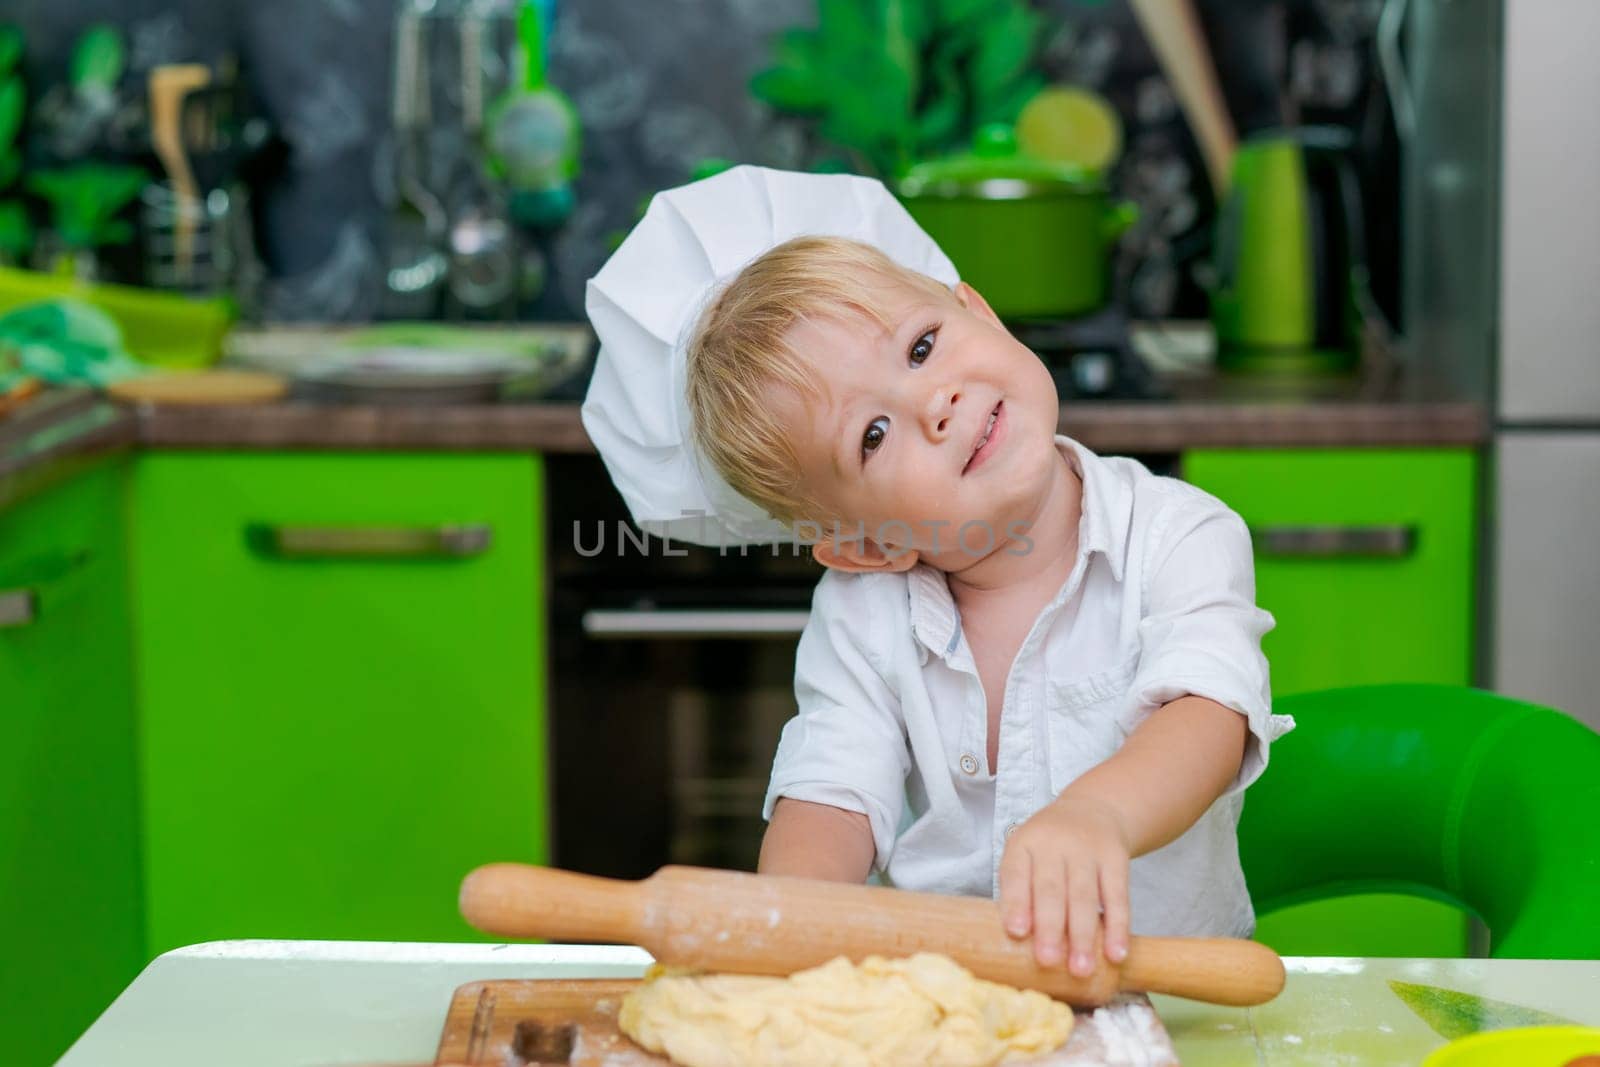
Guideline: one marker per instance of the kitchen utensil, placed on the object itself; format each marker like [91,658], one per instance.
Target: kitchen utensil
[168,84]
[417,266]
[1392,69]
[483,262]
[184,239]
[216,135]
[188,232]
[1032,236]
[483,267]
[1175,35]
[411,375]
[201,111]
[753,924]
[229,145]
[553,1021]
[1291,289]
[196,388]
[534,133]
[419,361]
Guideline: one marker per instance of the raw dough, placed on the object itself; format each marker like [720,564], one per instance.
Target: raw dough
[926,1011]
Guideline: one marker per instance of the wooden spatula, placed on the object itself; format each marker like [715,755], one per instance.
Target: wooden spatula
[750,924]
[168,84]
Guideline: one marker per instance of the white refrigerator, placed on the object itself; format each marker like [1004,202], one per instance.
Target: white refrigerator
[1496,105]
[1545,485]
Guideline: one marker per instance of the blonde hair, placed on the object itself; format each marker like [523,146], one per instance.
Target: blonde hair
[740,349]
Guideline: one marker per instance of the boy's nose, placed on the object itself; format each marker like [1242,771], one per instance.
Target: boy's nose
[941,410]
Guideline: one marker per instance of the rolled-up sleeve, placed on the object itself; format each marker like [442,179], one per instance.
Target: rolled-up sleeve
[847,746]
[1201,631]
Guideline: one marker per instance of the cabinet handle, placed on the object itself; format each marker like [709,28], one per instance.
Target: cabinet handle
[370,542]
[18,607]
[1335,542]
[649,623]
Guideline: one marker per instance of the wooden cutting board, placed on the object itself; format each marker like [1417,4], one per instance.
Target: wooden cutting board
[540,1022]
[201,388]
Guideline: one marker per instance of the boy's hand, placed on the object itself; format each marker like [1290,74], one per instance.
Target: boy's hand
[1062,869]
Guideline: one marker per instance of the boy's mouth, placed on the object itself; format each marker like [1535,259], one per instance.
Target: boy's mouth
[988,438]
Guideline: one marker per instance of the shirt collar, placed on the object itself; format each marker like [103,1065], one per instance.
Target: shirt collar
[1103,527]
[933,611]
[1107,506]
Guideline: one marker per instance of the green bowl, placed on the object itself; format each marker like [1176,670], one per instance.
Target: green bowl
[159,328]
[1533,1046]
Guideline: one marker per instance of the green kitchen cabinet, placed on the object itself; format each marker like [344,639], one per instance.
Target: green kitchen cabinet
[341,687]
[70,892]
[1366,558]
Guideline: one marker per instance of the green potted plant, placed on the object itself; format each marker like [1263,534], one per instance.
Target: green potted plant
[85,200]
[892,82]
[85,197]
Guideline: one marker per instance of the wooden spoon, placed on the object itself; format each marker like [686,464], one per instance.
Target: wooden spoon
[1175,35]
[761,924]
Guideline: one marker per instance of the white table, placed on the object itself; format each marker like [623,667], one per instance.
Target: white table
[294,1003]
[305,1003]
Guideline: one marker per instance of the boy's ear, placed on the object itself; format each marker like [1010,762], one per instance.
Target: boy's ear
[972,300]
[861,556]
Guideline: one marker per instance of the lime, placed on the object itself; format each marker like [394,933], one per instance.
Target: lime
[1067,124]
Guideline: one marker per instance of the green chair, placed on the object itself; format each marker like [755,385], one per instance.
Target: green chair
[1437,791]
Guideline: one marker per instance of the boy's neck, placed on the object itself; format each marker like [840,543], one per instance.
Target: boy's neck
[1053,531]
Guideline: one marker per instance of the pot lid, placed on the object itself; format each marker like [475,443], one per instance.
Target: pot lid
[996,170]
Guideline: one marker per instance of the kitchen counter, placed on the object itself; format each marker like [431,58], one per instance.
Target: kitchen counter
[326,1002]
[55,436]
[1105,426]
[63,429]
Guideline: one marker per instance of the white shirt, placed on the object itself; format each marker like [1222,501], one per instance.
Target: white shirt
[893,722]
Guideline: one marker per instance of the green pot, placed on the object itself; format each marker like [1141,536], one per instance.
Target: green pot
[1033,237]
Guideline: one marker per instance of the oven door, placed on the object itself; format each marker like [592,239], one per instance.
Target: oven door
[668,712]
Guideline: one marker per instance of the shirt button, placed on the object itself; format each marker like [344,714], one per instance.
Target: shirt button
[969,764]
[1010,829]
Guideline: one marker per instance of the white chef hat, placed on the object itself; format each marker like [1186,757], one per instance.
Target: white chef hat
[647,298]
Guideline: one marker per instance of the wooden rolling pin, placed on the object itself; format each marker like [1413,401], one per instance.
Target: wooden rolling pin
[750,924]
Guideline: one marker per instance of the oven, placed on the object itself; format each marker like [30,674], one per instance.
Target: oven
[672,675]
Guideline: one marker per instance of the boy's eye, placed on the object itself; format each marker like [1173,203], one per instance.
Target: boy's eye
[922,348]
[877,429]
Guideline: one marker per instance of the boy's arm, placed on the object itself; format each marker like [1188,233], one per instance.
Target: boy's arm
[837,789]
[1204,680]
[1072,857]
[1172,768]
[809,840]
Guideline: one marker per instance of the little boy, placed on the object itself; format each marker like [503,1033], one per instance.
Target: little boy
[1029,672]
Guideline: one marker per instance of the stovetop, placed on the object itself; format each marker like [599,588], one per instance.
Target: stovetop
[1090,357]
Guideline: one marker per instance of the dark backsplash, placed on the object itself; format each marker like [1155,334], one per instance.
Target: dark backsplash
[662,85]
